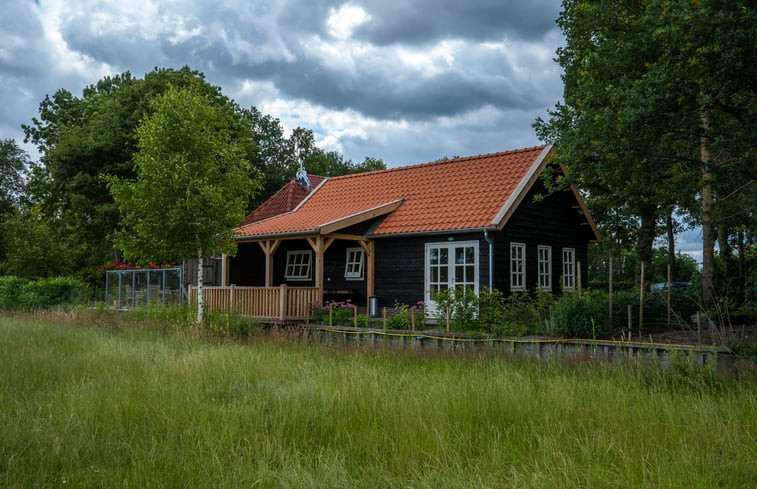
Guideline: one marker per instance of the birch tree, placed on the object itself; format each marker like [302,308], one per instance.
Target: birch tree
[192,183]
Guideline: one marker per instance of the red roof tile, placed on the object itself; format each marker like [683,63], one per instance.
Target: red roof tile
[463,193]
[285,200]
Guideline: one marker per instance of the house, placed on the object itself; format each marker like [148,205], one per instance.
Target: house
[404,233]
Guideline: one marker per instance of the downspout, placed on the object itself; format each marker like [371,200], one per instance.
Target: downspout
[490,239]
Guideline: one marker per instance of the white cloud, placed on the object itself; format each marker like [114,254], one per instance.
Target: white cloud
[343,21]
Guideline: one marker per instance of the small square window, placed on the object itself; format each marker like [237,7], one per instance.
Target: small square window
[298,265]
[353,269]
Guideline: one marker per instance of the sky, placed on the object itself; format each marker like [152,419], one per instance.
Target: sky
[405,81]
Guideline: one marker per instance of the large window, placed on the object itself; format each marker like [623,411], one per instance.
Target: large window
[517,266]
[451,265]
[298,265]
[353,270]
[545,267]
[568,268]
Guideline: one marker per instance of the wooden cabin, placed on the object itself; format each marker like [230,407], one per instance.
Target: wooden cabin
[402,234]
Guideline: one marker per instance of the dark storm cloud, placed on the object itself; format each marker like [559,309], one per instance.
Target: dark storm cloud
[423,21]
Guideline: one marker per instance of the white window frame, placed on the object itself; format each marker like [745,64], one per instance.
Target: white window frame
[544,257]
[569,268]
[299,261]
[450,246]
[353,268]
[517,273]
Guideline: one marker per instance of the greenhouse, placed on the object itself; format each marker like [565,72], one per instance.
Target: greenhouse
[130,288]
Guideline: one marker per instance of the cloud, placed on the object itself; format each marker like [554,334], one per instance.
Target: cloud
[407,81]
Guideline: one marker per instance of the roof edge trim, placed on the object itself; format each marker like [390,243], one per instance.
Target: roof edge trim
[307,197]
[512,203]
[361,216]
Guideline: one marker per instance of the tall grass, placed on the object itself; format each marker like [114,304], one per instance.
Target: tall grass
[131,407]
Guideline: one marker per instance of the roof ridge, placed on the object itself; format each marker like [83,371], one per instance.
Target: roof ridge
[443,161]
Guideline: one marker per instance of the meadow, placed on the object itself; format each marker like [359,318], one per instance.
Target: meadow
[99,404]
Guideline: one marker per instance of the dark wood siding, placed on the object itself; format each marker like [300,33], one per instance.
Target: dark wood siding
[400,266]
[247,268]
[335,286]
[554,221]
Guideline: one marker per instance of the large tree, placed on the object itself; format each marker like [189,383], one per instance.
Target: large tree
[84,139]
[658,95]
[192,183]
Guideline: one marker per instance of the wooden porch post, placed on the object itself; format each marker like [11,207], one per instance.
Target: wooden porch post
[269,247]
[225,262]
[319,245]
[368,248]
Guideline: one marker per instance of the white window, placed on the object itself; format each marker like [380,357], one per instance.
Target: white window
[517,266]
[569,268]
[545,267]
[353,270]
[450,265]
[298,265]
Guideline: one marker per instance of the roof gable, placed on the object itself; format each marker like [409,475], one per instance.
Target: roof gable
[286,199]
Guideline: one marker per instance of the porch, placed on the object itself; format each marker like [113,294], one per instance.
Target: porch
[280,303]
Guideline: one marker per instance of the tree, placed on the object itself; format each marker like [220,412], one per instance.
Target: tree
[83,140]
[13,164]
[192,183]
[658,108]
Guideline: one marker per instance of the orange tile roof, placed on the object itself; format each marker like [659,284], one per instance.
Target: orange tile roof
[284,200]
[448,195]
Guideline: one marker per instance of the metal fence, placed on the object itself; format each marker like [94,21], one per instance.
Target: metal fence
[126,289]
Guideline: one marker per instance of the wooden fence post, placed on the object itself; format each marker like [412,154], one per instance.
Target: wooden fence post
[231,299]
[283,302]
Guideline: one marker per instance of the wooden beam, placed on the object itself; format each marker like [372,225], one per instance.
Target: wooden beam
[369,248]
[348,221]
[269,247]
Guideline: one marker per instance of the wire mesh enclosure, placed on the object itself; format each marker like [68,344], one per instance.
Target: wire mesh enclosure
[126,289]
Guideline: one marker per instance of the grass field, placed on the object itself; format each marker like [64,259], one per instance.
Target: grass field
[121,406]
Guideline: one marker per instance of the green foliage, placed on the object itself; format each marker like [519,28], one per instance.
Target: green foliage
[12,292]
[13,166]
[492,312]
[192,182]
[405,317]
[18,293]
[581,317]
[336,313]
[33,247]
[83,140]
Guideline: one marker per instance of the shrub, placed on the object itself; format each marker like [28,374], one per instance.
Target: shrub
[55,291]
[581,317]
[17,293]
[405,316]
[340,313]
[11,292]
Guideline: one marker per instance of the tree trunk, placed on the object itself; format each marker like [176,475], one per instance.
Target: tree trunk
[708,225]
[199,288]
[671,247]
[646,240]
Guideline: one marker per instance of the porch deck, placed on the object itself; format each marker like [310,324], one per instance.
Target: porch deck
[270,303]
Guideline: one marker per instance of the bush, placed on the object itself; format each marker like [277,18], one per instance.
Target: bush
[581,317]
[11,292]
[56,291]
[405,316]
[17,293]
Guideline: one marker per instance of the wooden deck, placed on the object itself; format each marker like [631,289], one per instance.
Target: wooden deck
[274,303]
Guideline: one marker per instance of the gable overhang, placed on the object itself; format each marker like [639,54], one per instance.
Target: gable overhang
[525,185]
[512,202]
[331,226]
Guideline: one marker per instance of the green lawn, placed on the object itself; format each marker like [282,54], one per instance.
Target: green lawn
[123,406]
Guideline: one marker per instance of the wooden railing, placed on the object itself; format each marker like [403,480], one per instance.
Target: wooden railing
[280,303]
